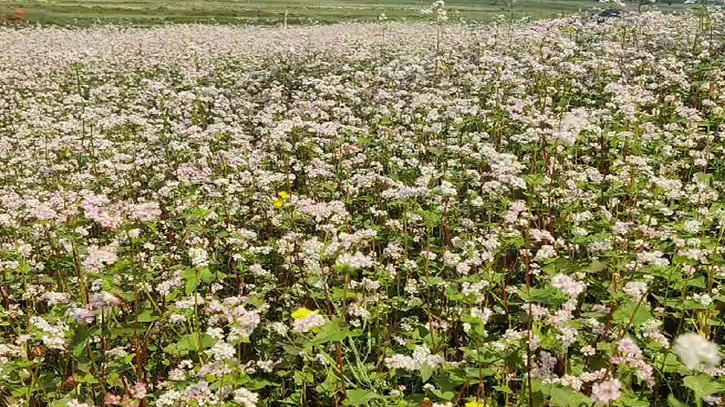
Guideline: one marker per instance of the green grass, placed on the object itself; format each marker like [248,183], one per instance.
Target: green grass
[145,12]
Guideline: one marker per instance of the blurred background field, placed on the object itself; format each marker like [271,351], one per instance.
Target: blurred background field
[147,12]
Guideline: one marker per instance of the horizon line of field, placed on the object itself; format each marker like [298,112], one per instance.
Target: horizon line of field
[271,11]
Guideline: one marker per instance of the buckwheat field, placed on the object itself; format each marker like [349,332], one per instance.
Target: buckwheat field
[391,214]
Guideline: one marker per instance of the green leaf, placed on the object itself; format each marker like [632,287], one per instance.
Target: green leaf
[258,384]
[533,180]
[358,397]
[565,396]
[673,402]
[331,332]
[124,331]
[503,389]
[692,304]
[294,399]
[449,381]
[595,267]
[436,151]
[548,296]
[703,178]
[339,294]
[330,385]
[79,349]
[147,316]
[426,372]
[304,377]
[670,363]
[190,343]
[192,280]
[703,385]
[80,340]
[640,311]
[198,214]
[444,395]
[698,282]
[88,378]
[631,401]
[206,275]
[430,218]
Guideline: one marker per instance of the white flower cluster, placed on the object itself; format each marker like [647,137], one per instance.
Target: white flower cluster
[421,357]
[312,321]
[568,285]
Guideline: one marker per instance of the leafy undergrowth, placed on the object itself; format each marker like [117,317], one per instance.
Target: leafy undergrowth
[380,215]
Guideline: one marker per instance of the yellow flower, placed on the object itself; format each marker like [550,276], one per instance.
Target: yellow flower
[474,404]
[280,202]
[303,313]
